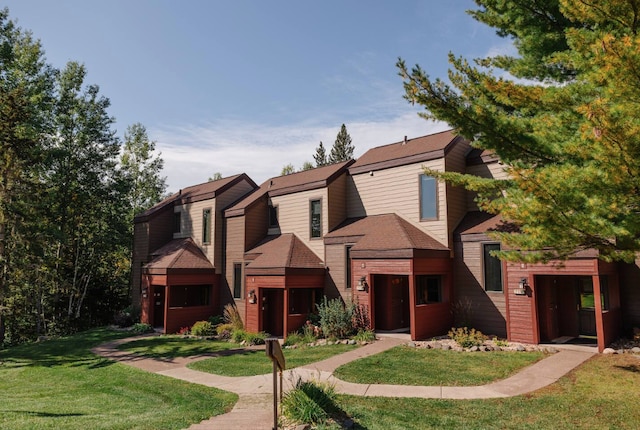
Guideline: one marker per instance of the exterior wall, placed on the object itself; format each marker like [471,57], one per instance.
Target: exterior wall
[253,311]
[217,223]
[456,197]
[493,169]
[294,216]
[147,237]
[396,190]
[335,281]
[337,211]
[191,225]
[488,310]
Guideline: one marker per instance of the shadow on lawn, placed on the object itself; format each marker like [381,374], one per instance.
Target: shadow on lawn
[44,414]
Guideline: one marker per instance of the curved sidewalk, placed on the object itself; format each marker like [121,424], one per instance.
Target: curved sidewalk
[254,409]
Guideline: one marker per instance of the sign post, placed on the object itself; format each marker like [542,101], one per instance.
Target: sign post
[274,352]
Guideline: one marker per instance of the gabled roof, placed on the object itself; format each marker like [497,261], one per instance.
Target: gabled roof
[311,179]
[282,252]
[195,193]
[178,254]
[383,235]
[476,224]
[405,152]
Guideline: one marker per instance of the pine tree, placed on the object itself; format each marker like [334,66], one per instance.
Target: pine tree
[342,149]
[320,156]
[569,134]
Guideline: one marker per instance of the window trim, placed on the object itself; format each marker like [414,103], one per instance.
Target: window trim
[347,266]
[483,246]
[206,226]
[311,202]
[420,198]
[273,208]
[441,290]
[177,222]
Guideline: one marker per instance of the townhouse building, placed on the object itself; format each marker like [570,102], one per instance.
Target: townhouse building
[414,252]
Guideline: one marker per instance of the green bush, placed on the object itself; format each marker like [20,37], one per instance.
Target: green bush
[224,331]
[127,317]
[293,339]
[239,336]
[231,316]
[216,320]
[365,336]
[336,319]
[466,337]
[309,402]
[203,328]
[141,328]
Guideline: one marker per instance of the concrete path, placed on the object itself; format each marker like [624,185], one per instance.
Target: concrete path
[254,409]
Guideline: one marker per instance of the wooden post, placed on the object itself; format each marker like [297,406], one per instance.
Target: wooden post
[274,352]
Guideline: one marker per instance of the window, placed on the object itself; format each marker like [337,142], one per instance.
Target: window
[492,268]
[177,222]
[189,295]
[316,218]
[428,289]
[587,296]
[300,301]
[206,226]
[347,265]
[273,216]
[237,280]
[428,198]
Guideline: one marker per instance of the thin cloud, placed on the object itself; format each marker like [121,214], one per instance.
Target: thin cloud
[193,153]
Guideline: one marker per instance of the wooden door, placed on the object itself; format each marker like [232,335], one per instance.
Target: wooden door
[158,305]
[547,307]
[273,311]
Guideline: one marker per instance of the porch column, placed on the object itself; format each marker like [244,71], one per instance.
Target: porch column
[412,305]
[597,302]
[167,300]
[285,314]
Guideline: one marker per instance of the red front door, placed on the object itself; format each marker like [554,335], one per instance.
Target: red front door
[158,306]
[273,311]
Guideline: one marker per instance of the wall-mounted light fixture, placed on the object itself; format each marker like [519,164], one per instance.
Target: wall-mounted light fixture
[523,286]
[362,284]
[252,297]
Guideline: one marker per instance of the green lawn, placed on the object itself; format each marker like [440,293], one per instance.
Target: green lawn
[249,363]
[603,393]
[418,366]
[59,384]
[175,346]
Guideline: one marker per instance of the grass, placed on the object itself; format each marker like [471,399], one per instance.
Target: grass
[60,384]
[601,394]
[418,366]
[252,362]
[175,346]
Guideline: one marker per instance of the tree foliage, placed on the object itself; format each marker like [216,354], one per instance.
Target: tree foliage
[563,115]
[65,201]
[342,149]
[320,157]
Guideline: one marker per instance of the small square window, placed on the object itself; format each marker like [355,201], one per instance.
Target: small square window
[428,289]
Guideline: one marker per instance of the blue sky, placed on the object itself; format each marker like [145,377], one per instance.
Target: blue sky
[252,85]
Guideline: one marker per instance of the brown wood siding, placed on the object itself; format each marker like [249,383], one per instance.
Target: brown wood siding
[456,198]
[177,318]
[396,190]
[431,320]
[335,282]
[257,223]
[234,254]
[337,195]
[304,281]
[293,216]
[477,308]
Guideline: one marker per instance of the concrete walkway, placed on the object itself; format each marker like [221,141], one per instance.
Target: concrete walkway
[254,409]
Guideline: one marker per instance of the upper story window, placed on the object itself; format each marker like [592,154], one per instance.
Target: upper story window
[315,218]
[273,216]
[237,280]
[177,222]
[347,265]
[492,267]
[428,198]
[206,225]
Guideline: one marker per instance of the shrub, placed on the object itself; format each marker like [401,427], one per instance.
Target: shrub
[466,337]
[141,328]
[309,402]
[216,320]
[239,336]
[203,328]
[231,316]
[184,331]
[336,319]
[224,331]
[293,339]
[127,317]
[500,342]
[365,336]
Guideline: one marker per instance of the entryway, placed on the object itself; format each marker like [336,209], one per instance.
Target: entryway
[391,302]
[158,305]
[273,311]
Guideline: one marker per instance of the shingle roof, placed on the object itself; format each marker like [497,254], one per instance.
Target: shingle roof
[405,152]
[179,254]
[284,251]
[478,222]
[195,193]
[384,233]
[311,179]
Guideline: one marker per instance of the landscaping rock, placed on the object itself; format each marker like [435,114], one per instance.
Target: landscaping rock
[520,348]
[474,348]
[436,345]
[635,350]
[411,344]
[352,342]
[609,351]
[446,347]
